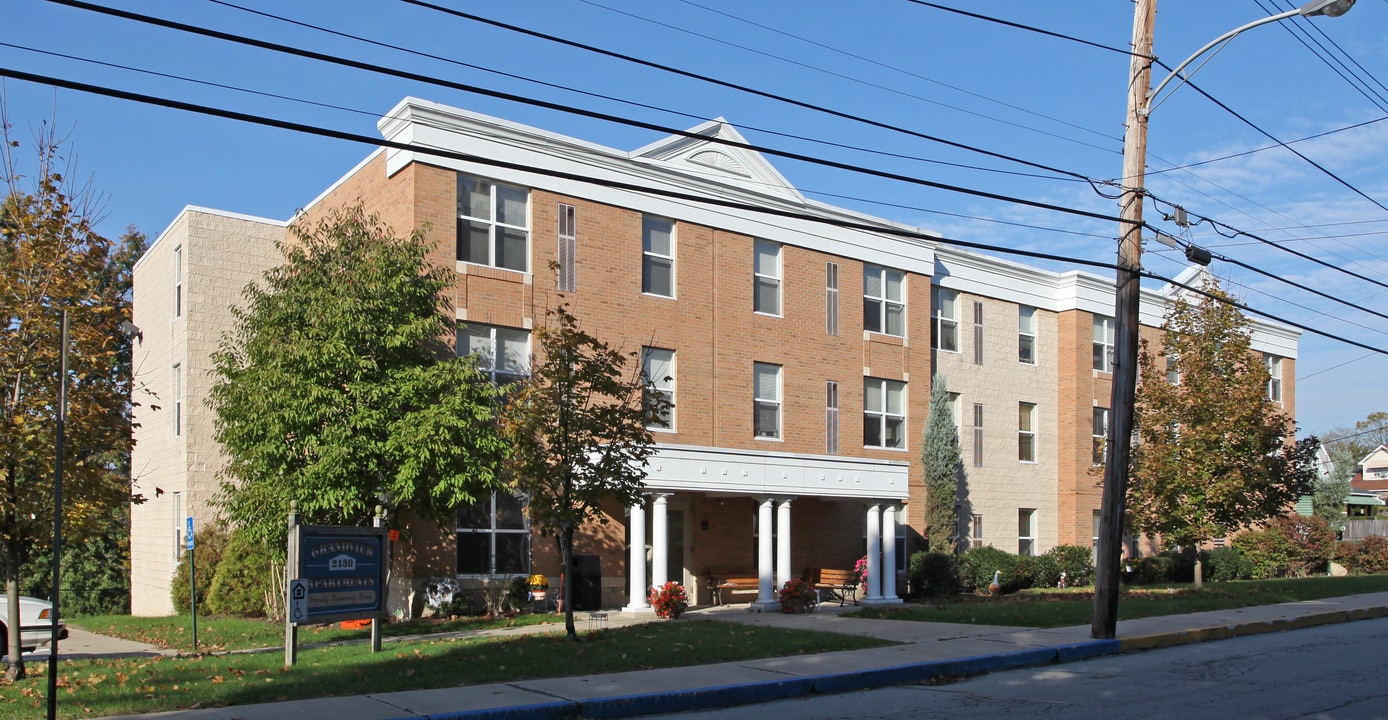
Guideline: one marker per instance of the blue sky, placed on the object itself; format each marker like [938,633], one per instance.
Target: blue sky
[1046,100]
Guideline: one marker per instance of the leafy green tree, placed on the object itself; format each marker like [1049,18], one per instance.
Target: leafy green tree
[54,260]
[1215,454]
[335,388]
[941,458]
[578,433]
[1332,491]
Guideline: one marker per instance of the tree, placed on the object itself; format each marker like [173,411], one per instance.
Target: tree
[1215,454]
[1332,491]
[940,456]
[333,388]
[54,260]
[578,433]
[1357,442]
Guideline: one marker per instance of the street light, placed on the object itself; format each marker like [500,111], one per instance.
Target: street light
[1128,290]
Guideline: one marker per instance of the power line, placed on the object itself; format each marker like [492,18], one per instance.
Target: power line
[1028,28]
[1266,147]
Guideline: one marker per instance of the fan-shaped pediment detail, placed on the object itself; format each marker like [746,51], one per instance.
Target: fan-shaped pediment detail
[719,160]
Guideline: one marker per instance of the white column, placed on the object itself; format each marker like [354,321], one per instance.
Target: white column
[889,555]
[636,561]
[784,571]
[874,553]
[660,542]
[766,596]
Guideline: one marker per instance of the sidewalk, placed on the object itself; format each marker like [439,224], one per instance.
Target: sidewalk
[928,650]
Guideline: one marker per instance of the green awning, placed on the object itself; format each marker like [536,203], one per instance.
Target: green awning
[1363,499]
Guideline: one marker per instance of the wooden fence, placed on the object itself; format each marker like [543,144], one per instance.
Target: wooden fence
[1356,529]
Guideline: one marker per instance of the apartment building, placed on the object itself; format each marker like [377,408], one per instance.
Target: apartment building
[798,352]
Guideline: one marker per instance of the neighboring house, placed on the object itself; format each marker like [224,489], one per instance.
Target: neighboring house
[799,356]
[1372,476]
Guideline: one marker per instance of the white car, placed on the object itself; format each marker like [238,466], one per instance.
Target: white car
[35,624]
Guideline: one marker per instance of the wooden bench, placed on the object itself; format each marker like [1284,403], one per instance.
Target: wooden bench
[731,580]
[842,584]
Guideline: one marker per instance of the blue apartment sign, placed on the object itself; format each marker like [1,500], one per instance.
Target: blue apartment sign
[190,532]
[342,569]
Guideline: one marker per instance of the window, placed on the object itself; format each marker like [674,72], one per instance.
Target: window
[952,407]
[1026,432]
[1026,531]
[831,417]
[503,354]
[766,272]
[1094,553]
[657,256]
[494,536]
[493,224]
[945,330]
[766,410]
[831,298]
[884,413]
[977,531]
[1173,369]
[179,533]
[658,366]
[1103,344]
[1100,434]
[1026,335]
[178,281]
[884,303]
[178,400]
[978,333]
[1274,364]
[978,434]
[568,248]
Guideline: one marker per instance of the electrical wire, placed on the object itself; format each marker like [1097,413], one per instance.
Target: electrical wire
[1265,147]
[1028,28]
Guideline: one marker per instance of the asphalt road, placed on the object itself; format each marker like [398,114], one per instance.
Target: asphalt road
[1329,672]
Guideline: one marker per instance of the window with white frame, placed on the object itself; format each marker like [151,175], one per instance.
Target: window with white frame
[178,281]
[884,300]
[831,417]
[884,413]
[1026,335]
[1026,432]
[503,354]
[831,298]
[658,367]
[568,248]
[494,536]
[1026,531]
[657,256]
[766,275]
[1274,364]
[1100,435]
[976,530]
[766,402]
[177,399]
[493,224]
[1173,368]
[978,434]
[1104,358]
[179,530]
[978,333]
[945,316]
[952,407]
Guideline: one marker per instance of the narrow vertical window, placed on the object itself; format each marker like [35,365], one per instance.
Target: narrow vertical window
[1026,432]
[952,407]
[945,316]
[179,532]
[1173,369]
[884,300]
[657,256]
[1026,335]
[1100,434]
[831,417]
[766,403]
[178,281]
[977,534]
[568,248]
[1094,541]
[1026,531]
[658,369]
[884,413]
[978,333]
[831,298]
[177,400]
[1274,364]
[1103,344]
[978,434]
[493,224]
[766,275]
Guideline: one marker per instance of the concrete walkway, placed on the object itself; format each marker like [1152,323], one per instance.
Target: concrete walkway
[928,650]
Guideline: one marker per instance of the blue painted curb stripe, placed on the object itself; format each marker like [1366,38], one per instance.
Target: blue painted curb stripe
[1087,649]
[696,699]
[540,711]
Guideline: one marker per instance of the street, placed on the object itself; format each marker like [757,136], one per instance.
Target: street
[1327,672]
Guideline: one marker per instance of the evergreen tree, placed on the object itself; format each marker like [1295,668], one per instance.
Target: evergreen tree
[942,462]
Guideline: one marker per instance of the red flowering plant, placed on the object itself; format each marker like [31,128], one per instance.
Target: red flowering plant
[797,596]
[669,600]
[860,569]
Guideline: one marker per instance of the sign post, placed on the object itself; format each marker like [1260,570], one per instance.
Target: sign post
[192,584]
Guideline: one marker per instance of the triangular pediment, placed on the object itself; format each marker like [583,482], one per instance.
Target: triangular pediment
[716,151]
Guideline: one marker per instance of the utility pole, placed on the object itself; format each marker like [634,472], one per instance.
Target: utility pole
[1127,296]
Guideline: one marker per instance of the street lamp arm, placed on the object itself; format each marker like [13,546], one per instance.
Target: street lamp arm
[1147,107]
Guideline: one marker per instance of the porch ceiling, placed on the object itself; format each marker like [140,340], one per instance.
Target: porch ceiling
[700,469]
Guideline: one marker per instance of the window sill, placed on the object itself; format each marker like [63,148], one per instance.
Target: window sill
[885,448]
[767,314]
[658,296]
[763,438]
[496,273]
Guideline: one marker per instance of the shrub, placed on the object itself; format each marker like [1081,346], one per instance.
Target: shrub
[933,574]
[669,600]
[1151,570]
[240,582]
[95,572]
[1076,562]
[1365,557]
[208,546]
[1228,563]
[1038,571]
[977,565]
[797,596]
[1291,546]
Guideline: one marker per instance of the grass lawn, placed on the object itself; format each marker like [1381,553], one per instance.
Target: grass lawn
[1044,608]
[95,688]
